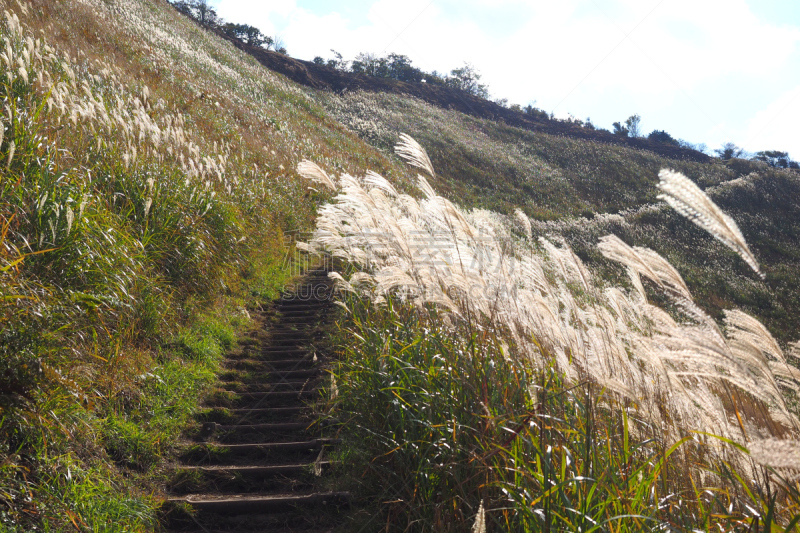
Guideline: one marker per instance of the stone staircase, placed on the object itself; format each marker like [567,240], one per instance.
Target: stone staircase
[258,460]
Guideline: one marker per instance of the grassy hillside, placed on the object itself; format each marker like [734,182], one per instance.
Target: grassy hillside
[570,186]
[146,185]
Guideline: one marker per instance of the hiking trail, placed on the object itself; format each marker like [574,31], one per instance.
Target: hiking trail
[258,460]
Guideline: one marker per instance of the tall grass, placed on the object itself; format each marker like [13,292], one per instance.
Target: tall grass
[133,233]
[646,405]
[441,418]
[145,185]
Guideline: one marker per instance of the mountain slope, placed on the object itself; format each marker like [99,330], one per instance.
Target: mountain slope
[585,189]
[148,191]
[322,77]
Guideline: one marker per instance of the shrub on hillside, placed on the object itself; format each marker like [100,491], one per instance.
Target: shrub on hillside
[776,159]
[663,137]
[729,151]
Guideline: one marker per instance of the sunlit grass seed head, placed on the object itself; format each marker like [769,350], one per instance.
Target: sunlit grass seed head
[313,173]
[689,200]
[466,264]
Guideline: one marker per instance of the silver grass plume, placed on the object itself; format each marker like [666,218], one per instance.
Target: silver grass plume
[746,329]
[646,262]
[414,154]
[70,218]
[480,520]
[313,173]
[379,182]
[424,250]
[523,219]
[11,149]
[614,248]
[786,375]
[318,463]
[425,187]
[686,198]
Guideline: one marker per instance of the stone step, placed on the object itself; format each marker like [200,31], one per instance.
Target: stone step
[313,444]
[259,453]
[233,478]
[265,427]
[309,393]
[293,351]
[295,311]
[254,470]
[282,341]
[263,432]
[301,305]
[293,338]
[295,328]
[220,482]
[270,411]
[243,400]
[283,330]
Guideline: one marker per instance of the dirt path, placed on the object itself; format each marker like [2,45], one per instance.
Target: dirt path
[259,460]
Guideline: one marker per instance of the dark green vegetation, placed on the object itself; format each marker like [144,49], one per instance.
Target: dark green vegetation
[399,67]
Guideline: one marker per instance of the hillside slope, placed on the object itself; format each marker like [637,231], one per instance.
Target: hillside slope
[584,189]
[491,157]
[148,187]
[330,79]
[146,192]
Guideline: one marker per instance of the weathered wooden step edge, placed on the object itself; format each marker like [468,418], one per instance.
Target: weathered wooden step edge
[255,470]
[263,503]
[243,376]
[269,411]
[265,364]
[278,426]
[280,349]
[265,377]
[298,308]
[273,384]
[313,444]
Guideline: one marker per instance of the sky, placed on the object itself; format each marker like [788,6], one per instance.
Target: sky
[706,71]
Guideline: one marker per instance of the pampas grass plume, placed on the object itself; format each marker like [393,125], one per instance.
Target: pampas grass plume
[480,520]
[524,221]
[776,453]
[414,154]
[313,173]
[686,198]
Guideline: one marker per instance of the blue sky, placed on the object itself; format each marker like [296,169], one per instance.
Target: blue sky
[708,71]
